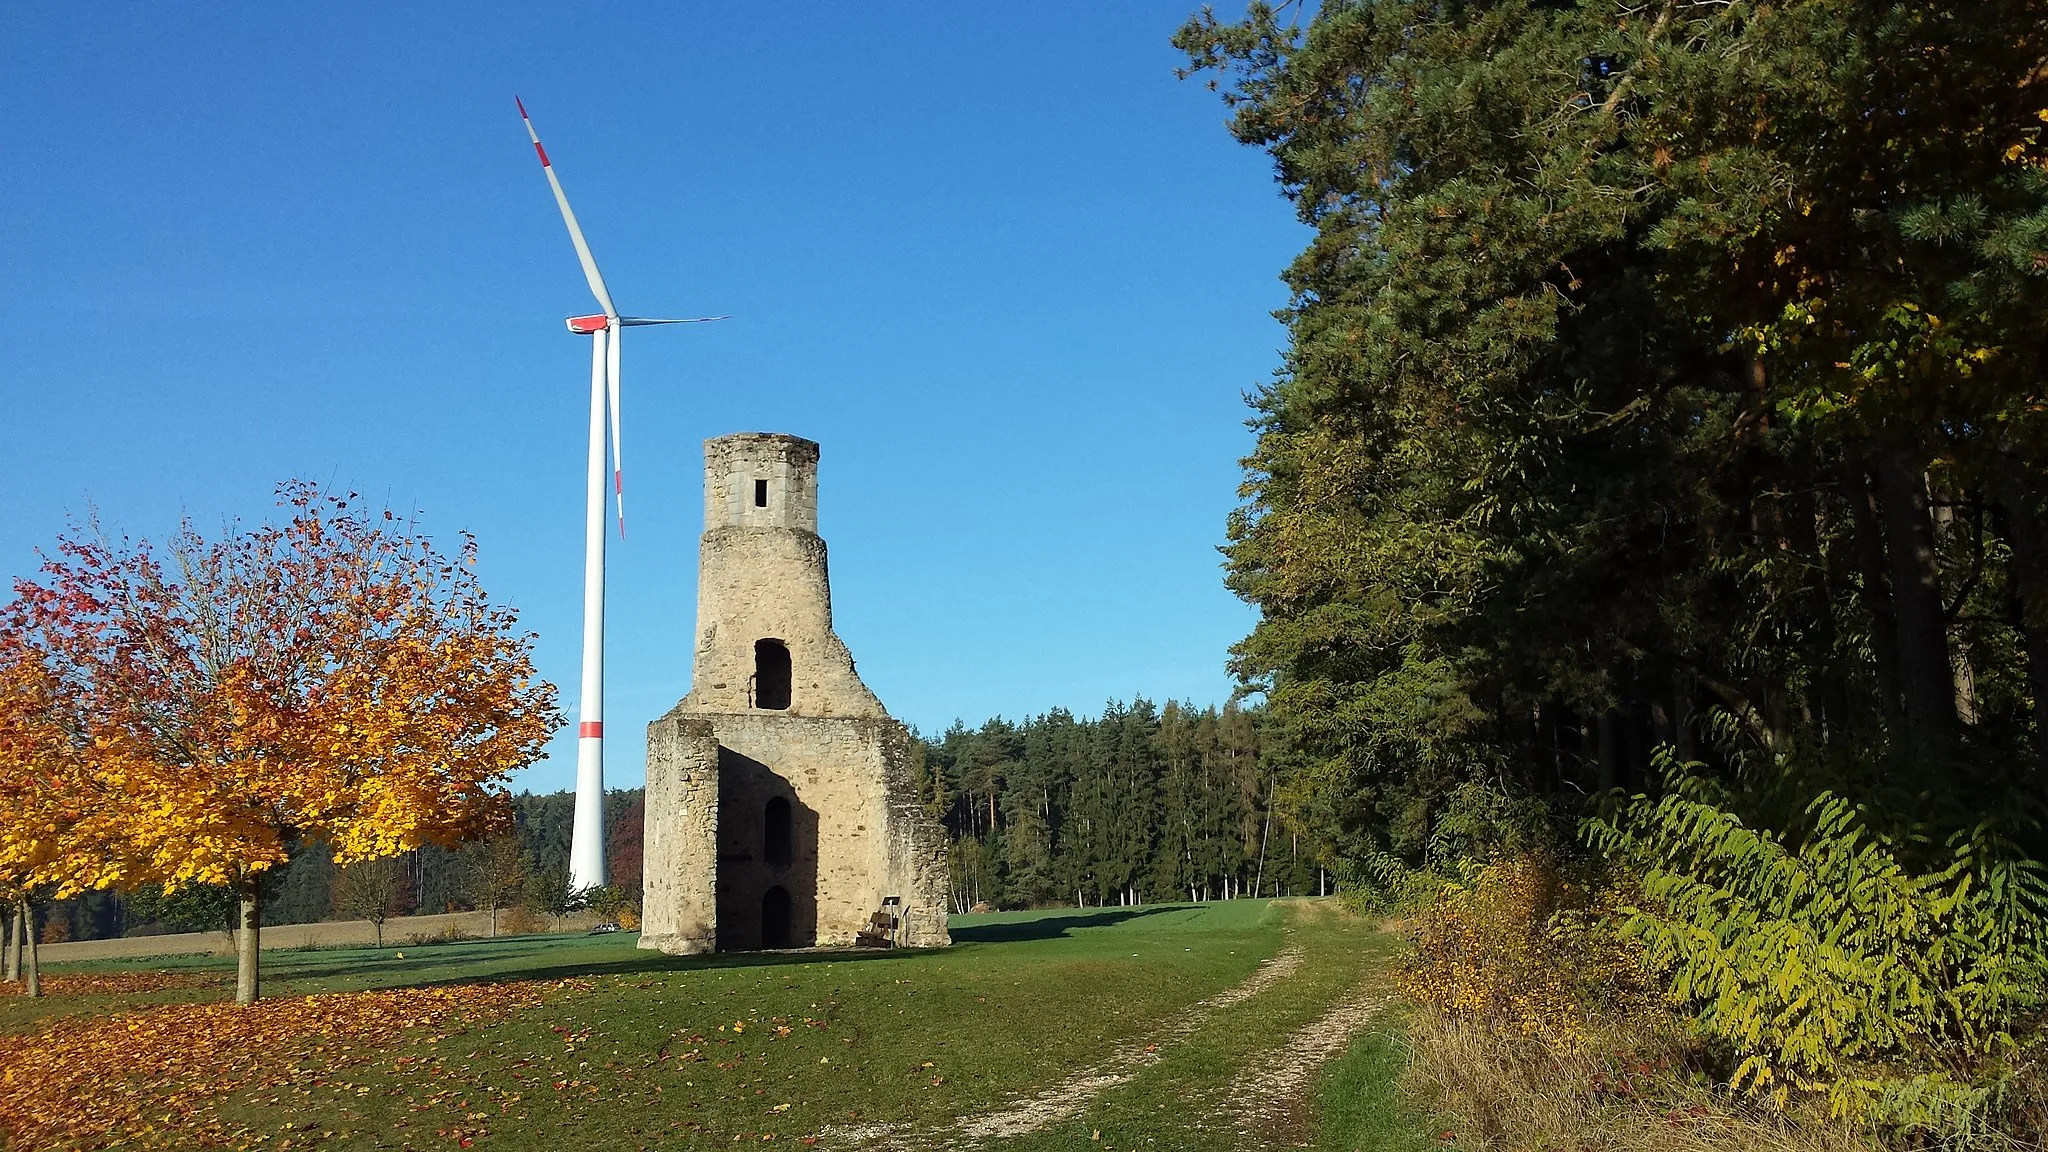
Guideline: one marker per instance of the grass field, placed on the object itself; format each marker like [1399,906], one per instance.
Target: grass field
[1212,1026]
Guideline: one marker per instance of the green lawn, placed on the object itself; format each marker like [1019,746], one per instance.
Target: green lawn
[887,1048]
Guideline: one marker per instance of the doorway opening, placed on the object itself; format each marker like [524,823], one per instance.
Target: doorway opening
[771,674]
[775,918]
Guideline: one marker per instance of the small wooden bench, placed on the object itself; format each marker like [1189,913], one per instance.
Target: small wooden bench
[882,926]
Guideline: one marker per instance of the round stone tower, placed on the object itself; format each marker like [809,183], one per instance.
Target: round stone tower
[764,599]
[782,806]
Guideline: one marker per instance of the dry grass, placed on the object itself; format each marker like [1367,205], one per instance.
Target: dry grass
[1629,1092]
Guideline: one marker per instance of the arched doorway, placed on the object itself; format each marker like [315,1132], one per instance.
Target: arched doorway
[771,674]
[775,917]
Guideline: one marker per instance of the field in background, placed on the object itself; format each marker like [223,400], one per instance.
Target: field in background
[1171,1026]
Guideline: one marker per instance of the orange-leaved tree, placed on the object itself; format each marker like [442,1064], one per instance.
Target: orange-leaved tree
[40,818]
[62,825]
[330,677]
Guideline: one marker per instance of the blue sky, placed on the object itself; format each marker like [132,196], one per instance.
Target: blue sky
[1012,274]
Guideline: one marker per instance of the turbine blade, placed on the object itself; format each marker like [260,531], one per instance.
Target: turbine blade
[639,321]
[590,272]
[618,462]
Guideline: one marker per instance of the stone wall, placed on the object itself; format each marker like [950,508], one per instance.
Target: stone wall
[679,871]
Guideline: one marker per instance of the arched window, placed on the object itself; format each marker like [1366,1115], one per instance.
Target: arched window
[778,839]
[771,674]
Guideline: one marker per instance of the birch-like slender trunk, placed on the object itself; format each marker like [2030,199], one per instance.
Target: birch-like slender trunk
[33,974]
[248,945]
[1265,835]
[12,945]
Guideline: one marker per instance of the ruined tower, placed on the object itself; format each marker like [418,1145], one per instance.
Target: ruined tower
[781,810]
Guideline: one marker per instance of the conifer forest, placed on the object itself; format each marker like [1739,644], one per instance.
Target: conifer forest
[1647,516]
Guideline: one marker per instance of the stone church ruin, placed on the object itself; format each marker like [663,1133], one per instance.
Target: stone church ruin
[781,810]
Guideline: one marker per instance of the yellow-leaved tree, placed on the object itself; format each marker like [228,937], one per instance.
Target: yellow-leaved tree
[331,677]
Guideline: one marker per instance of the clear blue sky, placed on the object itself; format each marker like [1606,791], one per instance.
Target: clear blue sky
[1011,273]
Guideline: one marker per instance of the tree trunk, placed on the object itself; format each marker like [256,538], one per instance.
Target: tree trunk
[1608,740]
[248,945]
[12,945]
[2028,536]
[1874,589]
[1265,834]
[33,972]
[1926,680]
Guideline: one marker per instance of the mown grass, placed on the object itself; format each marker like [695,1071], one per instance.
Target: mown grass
[1199,1095]
[646,1050]
[1360,1105]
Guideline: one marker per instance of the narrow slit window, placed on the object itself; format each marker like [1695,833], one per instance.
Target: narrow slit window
[760,493]
[778,848]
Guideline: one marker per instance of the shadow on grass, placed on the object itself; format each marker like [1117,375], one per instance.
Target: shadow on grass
[1048,927]
[543,966]
[656,963]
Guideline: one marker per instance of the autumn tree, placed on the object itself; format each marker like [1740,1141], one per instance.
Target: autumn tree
[608,901]
[332,677]
[493,873]
[370,890]
[61,832]
[549,893]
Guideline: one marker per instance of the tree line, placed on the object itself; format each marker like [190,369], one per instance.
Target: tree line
[1661,444]
[429,879]
[1144,803]
[1140,804]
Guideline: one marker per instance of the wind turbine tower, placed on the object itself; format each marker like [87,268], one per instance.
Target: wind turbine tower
[586,845]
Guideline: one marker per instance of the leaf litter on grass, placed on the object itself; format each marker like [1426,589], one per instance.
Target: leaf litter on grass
[117,983]
[150,1078]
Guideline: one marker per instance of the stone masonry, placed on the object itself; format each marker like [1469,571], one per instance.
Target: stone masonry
[781,808]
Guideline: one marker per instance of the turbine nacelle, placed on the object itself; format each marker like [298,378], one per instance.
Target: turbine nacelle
[589,325]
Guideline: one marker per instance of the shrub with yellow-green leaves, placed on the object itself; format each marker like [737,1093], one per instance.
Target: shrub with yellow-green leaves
[1515,945]
[1829,967]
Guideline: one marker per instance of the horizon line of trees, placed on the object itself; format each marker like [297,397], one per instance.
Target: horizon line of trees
[430,879]
[1144,803]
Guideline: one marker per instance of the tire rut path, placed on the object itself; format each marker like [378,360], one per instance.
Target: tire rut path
[1032,1111]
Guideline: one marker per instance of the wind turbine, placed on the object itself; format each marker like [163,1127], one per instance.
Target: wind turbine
[586,844]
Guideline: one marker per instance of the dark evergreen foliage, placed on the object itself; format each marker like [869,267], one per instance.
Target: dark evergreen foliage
[1141,804]
[1661,374]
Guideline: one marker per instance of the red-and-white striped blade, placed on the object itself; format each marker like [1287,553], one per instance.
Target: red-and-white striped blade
[638,321]
[589,262]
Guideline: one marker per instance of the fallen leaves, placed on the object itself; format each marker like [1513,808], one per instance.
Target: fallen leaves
[118,984]
[148,1077]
